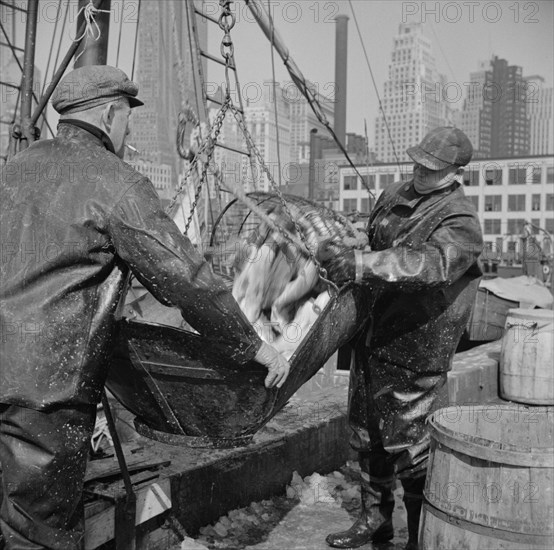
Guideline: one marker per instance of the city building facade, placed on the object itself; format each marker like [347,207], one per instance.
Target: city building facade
[540,108]
[412,97]
[154,125]
[510,195]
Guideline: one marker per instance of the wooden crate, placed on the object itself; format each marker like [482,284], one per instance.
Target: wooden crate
[488,316]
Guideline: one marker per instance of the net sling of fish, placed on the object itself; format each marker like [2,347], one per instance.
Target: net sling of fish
[182,386]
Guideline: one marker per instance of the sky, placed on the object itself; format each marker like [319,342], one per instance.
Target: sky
[463,33]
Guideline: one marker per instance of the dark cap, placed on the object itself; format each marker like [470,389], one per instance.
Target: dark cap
[93,85]
[442,147]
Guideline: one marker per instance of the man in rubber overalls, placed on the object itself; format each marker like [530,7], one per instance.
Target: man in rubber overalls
[421,277]
[75,221]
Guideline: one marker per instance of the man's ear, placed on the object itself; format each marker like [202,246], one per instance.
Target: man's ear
[108,115]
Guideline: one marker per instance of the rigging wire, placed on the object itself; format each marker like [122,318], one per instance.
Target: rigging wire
[442,52]
[374,85]
[10,45]
[57,57]
[136,42]
[120,33]
[274,83]
[51,48]
[258,11]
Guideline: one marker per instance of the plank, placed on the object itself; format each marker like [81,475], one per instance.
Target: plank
[152,500]
[107,467]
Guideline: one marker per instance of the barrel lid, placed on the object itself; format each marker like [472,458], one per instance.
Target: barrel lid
[478,431]
[537,314]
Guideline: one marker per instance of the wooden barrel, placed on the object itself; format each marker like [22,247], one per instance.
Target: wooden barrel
[527,356]
[490,477]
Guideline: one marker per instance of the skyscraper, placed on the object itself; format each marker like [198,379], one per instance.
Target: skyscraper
[154,125]
[540,106]
[412,98]
[509,124]
[475,117]
[272,139]
[505,114]
[303,119]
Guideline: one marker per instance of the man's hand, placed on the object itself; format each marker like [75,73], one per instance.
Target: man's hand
[275,363]
[340,262]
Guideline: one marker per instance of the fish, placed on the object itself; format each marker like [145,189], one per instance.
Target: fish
[277,283]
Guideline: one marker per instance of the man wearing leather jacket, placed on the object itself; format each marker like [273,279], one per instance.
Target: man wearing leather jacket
[75,222]
[421,277]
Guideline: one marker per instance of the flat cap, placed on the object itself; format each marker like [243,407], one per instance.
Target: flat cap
[93,85]
[442,147]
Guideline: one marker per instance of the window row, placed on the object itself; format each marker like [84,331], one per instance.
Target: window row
[516,176]
[351,183]
[516,203]
[515,227]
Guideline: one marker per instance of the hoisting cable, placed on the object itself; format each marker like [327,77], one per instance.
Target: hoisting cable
[262,17]
[50,54]
[136,42]
[120,33]
[227,21]
[374,85]
[322,272]
[274,84]
[57,58]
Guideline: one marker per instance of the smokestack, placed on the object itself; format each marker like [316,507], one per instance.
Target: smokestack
[341,57]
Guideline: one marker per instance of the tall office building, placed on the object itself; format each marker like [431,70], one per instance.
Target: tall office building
[475,117]
[540,106]
[272,141]
[154,125]
[271,135]
[507,94]
[495,113]
[303,120]
[412,97]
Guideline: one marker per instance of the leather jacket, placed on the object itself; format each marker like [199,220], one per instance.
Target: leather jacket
[424,272]
[75,219]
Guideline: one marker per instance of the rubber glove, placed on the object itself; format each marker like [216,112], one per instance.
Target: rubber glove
[340,262]
[275,363]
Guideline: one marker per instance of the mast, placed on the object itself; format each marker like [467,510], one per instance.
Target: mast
[26,131]
[90,51]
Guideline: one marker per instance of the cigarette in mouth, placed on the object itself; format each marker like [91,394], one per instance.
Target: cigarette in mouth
[134,149]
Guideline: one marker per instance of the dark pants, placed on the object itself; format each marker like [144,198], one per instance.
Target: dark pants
[388,407]
[43,456]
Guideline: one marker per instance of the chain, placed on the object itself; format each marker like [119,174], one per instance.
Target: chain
[320,269]
[206,148]
[226,23]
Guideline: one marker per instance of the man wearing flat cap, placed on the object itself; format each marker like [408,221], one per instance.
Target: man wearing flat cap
[75,222]
[421,277]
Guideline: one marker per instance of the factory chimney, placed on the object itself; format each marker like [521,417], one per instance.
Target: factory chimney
[341,51]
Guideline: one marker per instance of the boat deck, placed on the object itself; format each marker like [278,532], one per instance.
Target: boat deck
[182,489]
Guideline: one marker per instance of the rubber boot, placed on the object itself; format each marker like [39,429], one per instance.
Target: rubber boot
[375,521]
[413,500]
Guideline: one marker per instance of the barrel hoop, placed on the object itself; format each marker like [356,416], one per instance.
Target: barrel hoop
[477,447]
[537,541]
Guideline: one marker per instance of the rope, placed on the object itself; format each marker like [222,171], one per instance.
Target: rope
[89,13]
